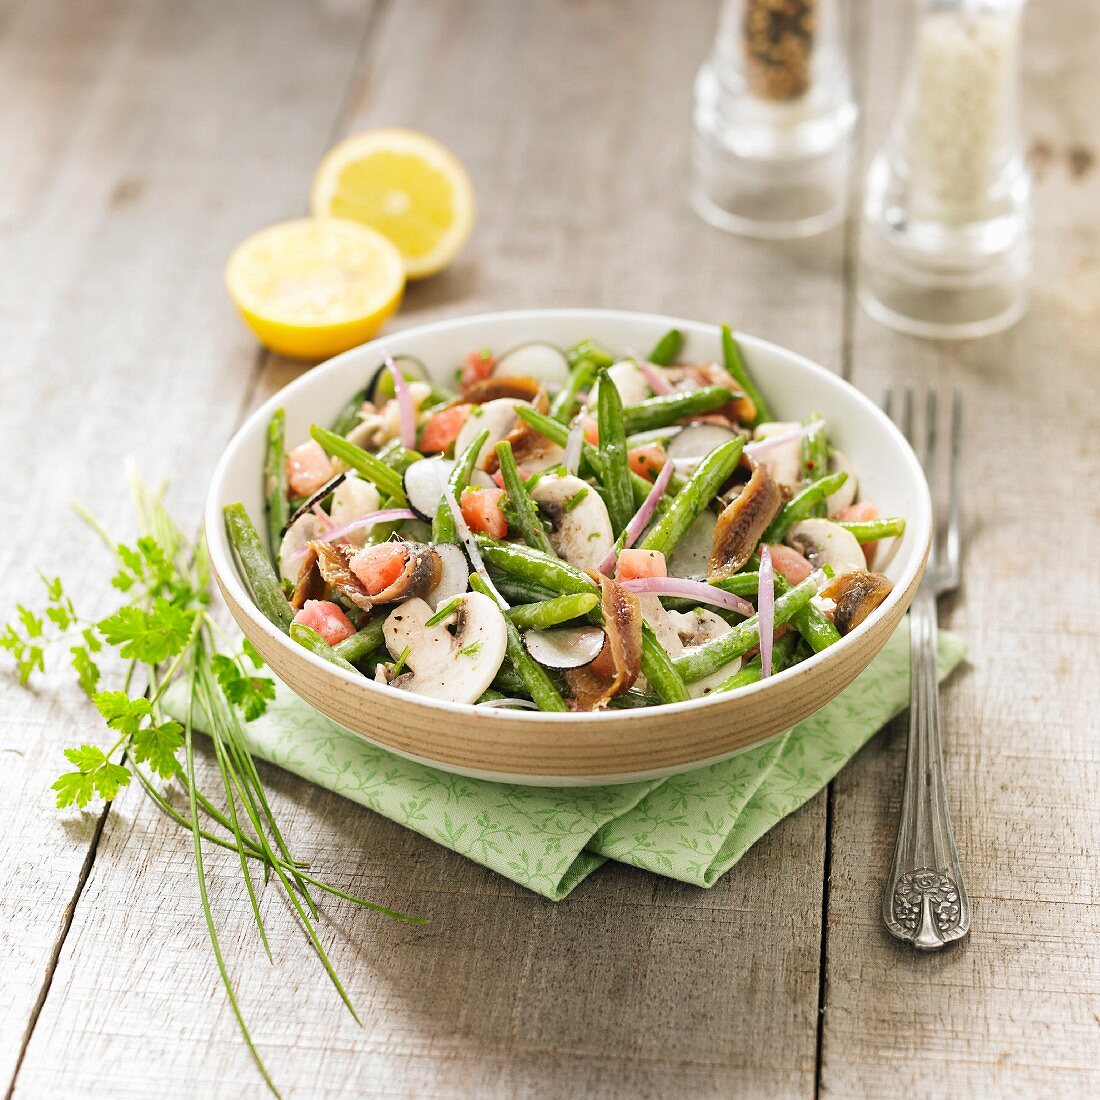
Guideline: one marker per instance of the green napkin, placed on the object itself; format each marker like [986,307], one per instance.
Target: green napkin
[693,827]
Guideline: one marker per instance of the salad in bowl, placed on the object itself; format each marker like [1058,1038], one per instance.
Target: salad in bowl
[564,529]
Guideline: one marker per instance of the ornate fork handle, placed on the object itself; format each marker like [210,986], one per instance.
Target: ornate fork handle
[925,901]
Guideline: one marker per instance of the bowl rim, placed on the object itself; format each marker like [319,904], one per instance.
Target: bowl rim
[225,569]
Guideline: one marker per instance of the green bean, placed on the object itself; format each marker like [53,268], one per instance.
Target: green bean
[517,591]
[362,643]
[524,512]
[396,456]
[740,584]
[689,502]
[667,408]
[508,682]
[784,654]
[552,612]
[275,487]
[588,349]
[534,568]
[632,700]
[616,469]
[536,681]
[591,459]
[708,658]
[660,673]
[348,416]
[308,637]
[580,378]
[873,529]
[801,507]
[667,348]
[362,462]
[489,695]
[735,367]
[256,566]
[813,453]
[443,523]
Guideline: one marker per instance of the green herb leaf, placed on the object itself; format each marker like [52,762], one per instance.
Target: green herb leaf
[159,745]
[150,637]
[250,693]
[96,776]
[120,712]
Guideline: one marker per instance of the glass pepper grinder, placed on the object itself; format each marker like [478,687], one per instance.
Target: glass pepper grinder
[946,237]
[774,117]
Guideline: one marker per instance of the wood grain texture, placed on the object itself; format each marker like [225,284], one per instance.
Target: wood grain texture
[1011,1011]
[582,186]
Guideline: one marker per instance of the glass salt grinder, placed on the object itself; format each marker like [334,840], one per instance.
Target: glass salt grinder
[946,235]
[774,117]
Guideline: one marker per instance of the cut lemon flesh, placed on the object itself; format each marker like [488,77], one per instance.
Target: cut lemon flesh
[407,186]
[314,287]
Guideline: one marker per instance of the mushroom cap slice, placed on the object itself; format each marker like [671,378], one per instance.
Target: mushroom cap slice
[580,534]
[564,646]
[697,628]
[497,417]
[353,499]
[455,659]
[692,553]
[846,494]
[823,542]
[454,575]
[784,460]
[742,522]
[856,594]
[546,363]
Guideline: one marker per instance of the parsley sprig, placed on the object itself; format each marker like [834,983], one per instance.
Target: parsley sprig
[167,640]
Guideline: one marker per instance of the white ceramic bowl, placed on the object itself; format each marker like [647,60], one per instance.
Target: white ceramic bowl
[572,749]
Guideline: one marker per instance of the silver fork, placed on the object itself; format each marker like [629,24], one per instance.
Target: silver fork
[925,902]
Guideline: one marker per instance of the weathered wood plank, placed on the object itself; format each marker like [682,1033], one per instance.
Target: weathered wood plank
[635,986]
[1012,1011]
[131,146]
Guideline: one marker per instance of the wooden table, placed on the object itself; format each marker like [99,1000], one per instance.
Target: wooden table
[140,141]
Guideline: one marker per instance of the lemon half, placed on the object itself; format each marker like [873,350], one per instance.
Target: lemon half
[406,185]
[314,287]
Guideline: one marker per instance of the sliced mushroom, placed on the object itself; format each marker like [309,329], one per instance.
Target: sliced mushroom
[620,660]
[692,553]
[580,529]
[455,659]
[695,628]
[564,646]
[742,522]
[294,541]
[695,441]
[838,463]
[314,498]
[544,362]
[629,379]
[454,575]
[707,685]
[425,483]
[353,499]
[497,417]
[784,460]
[856,594]
[516,387]
[822,542]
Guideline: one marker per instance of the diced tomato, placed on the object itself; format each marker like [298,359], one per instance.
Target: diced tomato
[477,367]
[327,619]
[591,431]
[441,430]
[379,566]
[861,512]
[307,468]
[482,512]
[635,565]
[647,461]
[790,563]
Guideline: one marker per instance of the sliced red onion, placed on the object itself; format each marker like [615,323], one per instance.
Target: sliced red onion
[573,444]
[765,603]
[699,591]
[658,383]
[473,551]
[386,515]
[640,520]
[508,704]
[760,445]
[323,517]
[404,405]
